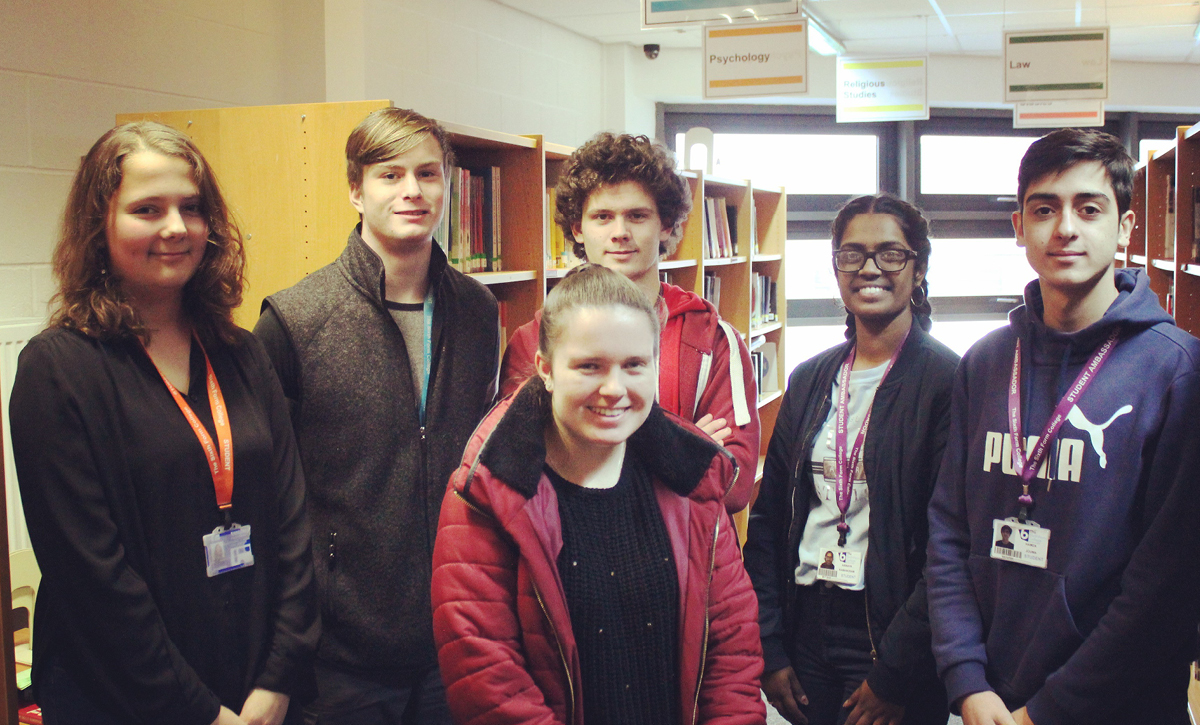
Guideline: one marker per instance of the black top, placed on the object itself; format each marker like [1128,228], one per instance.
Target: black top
[901,455]
[622,592]
[118,495]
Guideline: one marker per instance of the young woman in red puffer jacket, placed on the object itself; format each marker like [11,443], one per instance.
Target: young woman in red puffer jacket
[585,569]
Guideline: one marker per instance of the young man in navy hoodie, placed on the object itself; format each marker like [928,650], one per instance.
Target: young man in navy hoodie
[1091,616]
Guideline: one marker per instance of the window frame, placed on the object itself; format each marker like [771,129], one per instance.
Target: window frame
[951,215]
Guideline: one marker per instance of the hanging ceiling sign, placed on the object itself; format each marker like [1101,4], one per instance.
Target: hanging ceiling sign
[659,13]
[893,89]
[759,59]
[1058,114]
[1056,65]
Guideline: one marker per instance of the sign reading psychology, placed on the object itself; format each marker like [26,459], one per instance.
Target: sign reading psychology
[1056,65]
[762,59]
[1058,114]
[894,89]
[657,13]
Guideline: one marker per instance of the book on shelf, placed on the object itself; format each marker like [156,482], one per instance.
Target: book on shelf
[503,326]
[753,225]
[762,300]
[1169,235]
[558,254]
[712,289]
[718,235]
[470,233]
[1196,224]
[763,360]
[31,714]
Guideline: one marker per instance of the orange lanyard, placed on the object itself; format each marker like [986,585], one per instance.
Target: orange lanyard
[219,462]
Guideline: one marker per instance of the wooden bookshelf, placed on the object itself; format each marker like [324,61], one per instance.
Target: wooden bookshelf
[1160,244]
[283,171]
[1164,244]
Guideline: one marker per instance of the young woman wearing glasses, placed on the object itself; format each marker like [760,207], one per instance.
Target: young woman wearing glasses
[849,470]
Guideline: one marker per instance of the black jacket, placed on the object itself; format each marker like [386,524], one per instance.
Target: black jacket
[118,496]
[376,476]
[901,456]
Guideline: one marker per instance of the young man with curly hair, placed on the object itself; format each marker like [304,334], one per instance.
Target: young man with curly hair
[622,203]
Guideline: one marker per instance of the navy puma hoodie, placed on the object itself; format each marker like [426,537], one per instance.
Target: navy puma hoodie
[1105,633]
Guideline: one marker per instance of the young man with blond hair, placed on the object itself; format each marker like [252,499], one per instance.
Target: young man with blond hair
[389,358]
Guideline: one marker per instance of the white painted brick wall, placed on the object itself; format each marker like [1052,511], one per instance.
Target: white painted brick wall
[65,73]
[484,64]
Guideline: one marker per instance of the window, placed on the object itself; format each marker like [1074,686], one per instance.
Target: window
[1146,145]
[802,163]
[993,164]
[959,167]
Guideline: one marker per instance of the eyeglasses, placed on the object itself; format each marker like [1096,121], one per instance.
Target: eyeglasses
[887,260]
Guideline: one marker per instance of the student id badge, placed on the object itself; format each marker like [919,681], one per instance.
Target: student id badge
[841,567]
[1021,543]
[227,549]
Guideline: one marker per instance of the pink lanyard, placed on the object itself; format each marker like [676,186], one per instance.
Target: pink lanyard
[846,461]
[1027,468]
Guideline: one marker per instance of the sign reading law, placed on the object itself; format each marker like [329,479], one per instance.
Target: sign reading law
[657,13]
[882,90]
[1056,65]
[763,59]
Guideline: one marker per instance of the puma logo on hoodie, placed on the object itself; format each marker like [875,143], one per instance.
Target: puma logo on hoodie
[1095,432]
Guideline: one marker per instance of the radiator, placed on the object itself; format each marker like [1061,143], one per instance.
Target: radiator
[13,337]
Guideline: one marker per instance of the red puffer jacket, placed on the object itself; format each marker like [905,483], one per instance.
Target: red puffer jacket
[698,373]
[500,620]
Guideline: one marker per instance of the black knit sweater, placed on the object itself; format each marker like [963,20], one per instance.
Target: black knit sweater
[622,592]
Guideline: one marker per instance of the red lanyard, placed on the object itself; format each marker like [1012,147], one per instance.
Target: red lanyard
[1028,468]
[220,462]
[846,461]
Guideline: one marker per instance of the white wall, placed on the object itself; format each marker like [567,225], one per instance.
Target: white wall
[475,62]
[65,73]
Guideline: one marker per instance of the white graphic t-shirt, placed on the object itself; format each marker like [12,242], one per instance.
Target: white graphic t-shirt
[820,533]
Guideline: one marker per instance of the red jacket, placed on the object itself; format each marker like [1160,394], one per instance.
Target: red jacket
[694,377]
[500,620]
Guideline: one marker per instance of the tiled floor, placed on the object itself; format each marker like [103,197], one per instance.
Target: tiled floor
[774,718]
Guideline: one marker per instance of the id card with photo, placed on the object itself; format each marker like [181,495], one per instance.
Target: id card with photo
[841,567]
[227,550]
[1021,543]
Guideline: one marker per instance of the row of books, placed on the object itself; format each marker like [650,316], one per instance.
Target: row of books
[719,234]
[712,289]
[762,300]
[470,234]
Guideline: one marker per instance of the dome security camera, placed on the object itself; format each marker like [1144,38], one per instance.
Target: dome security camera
[651,50]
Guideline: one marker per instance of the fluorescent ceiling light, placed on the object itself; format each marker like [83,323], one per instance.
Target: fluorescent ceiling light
[822,41]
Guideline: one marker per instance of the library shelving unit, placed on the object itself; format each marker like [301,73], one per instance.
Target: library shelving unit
[761,230]
[1166,239]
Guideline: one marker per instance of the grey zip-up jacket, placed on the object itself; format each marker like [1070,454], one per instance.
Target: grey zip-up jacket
[376,476]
